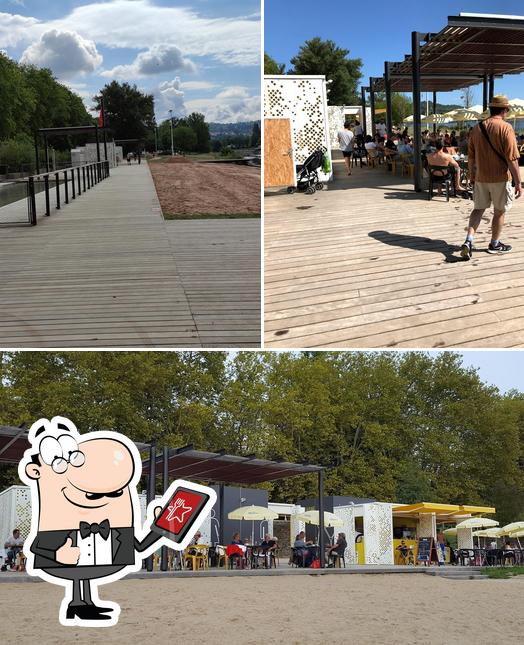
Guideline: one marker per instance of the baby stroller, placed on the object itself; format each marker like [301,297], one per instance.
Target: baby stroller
[307,175]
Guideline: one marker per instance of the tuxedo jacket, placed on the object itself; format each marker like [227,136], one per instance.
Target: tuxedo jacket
[124,544]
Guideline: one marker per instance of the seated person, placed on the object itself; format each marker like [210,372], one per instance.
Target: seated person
[405,148]
[267,547]
[463,143]
[301,546]
[403,550]
[13,545]
[441,158]
[193,542]
[453,139]
[236,539]
[337,550]
[370,145]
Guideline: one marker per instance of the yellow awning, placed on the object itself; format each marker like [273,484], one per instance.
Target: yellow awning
[440,509]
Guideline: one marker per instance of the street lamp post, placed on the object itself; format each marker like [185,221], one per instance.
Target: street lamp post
[171,123]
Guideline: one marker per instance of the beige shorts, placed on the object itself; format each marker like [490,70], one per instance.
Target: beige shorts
[501,194]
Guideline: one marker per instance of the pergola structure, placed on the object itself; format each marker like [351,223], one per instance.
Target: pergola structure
[470,49]
[80,129]
[221,468]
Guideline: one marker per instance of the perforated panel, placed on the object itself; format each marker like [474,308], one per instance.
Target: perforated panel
[427,525]
[296,525]
[347,515]
[465,538]
[378,534]
[336,122]
[303,101]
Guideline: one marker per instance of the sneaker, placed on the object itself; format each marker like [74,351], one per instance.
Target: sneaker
[465,250]
[500,248]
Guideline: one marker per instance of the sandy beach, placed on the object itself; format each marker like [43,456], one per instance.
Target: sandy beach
[363,609]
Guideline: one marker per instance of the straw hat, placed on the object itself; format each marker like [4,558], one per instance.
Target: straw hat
[499,101]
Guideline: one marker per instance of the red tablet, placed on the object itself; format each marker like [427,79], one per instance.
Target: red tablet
[180,513]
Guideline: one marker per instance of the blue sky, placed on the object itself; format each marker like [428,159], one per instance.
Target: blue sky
[376,32]
[193,55]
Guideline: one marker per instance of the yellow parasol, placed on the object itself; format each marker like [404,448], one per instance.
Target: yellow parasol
[313,517]
[254,514]
[477,523]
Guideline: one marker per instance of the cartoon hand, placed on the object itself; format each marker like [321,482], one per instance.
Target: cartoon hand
[67,553]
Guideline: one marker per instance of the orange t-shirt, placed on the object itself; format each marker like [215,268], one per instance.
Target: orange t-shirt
[489,168]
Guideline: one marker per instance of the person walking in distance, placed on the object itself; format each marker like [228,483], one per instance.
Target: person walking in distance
[345,140]
[492,163]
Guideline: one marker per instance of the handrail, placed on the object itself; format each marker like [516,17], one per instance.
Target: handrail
[87,176]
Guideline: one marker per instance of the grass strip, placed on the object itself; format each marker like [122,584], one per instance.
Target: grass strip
[503,573]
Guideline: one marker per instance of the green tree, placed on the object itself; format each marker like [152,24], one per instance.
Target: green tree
[318,56]
[271,67]
[197,123]
[401,106]
[255,135]
[184,138]
[129,112]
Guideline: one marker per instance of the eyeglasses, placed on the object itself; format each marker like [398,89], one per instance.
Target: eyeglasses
[76,459]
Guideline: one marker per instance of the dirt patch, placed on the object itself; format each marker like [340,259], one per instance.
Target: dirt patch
[195,189]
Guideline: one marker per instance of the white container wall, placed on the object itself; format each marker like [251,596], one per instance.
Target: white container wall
[378,533]
[303,100]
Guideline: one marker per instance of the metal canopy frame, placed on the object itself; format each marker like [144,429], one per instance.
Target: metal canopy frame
[221,468]
[470,49]
[64,132]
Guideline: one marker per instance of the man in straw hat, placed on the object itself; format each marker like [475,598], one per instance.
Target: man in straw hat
[492,161]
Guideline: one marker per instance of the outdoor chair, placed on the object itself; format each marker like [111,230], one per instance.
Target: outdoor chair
[298,557]
[508,556]
[373,159]
[392,158]
[197,555]
[407,165]
[235,557]
[465,557]
[493,557]
[220,556]
[436,178]
[358,155]
[338,559]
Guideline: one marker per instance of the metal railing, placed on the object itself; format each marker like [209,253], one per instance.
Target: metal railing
[75,181]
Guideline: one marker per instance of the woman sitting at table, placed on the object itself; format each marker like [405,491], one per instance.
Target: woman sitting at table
[337,550]
[236,539]
[441,158]
[301,547]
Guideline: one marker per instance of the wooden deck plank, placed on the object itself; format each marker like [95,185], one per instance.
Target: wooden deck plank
[103,272]
[368,263]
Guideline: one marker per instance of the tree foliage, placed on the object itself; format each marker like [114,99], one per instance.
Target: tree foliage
[318,56]
[129,112]
[271,66]
[398,427]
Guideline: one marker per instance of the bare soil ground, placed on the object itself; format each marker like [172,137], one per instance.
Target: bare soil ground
[188,189]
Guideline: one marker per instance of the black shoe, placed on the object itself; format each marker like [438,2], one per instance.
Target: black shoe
[86,612]
[499,248]
[465,250]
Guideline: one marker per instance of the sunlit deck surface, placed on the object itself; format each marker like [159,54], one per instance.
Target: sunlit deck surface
[370,263]
[108,271]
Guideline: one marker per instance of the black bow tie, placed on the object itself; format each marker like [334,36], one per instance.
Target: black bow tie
[103,528]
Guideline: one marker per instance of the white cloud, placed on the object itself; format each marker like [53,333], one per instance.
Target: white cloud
[173,96]
[66,53]
[140,24]
[156,60]
[197,85]
[232,105]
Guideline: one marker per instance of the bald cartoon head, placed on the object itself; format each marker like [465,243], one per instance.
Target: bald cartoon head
[80,477]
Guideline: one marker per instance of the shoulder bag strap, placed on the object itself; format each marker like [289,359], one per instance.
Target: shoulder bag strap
[485,133]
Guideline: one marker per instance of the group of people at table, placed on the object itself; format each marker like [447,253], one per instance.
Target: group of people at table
[306,553]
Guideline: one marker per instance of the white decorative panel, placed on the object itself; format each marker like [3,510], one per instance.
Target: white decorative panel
[427,525]
[347,515]
[205,529]
[296,526]
[336,122]
[378,534]
[301,99]
[465,538]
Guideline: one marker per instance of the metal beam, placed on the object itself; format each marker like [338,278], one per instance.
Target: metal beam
[417,147]
[389,111]
[222,514]
[363,103]
[434,110]
[491,87]
[36,155]
[485,93]
[165,486]
[321,537]
[372,106]
[151,487]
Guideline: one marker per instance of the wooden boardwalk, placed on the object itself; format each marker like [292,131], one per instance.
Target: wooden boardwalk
[368,263]
[101,272]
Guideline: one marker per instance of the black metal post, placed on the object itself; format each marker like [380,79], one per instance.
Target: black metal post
[372,107]
[78,179]
[165,486]
[321,537]
[57,187]
[46,154]
[417,147]
[434,110]
[46,188]
[491,87]
[36,155]
[73,193]
[32,201]
[84,177]
[364,119]
[222,514]
[151,489]
[485,92]
[66,200]
[389,112]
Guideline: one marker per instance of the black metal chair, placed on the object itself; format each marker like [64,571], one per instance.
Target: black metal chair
[441,176]
[494,557]
[465,557]
[338,559]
